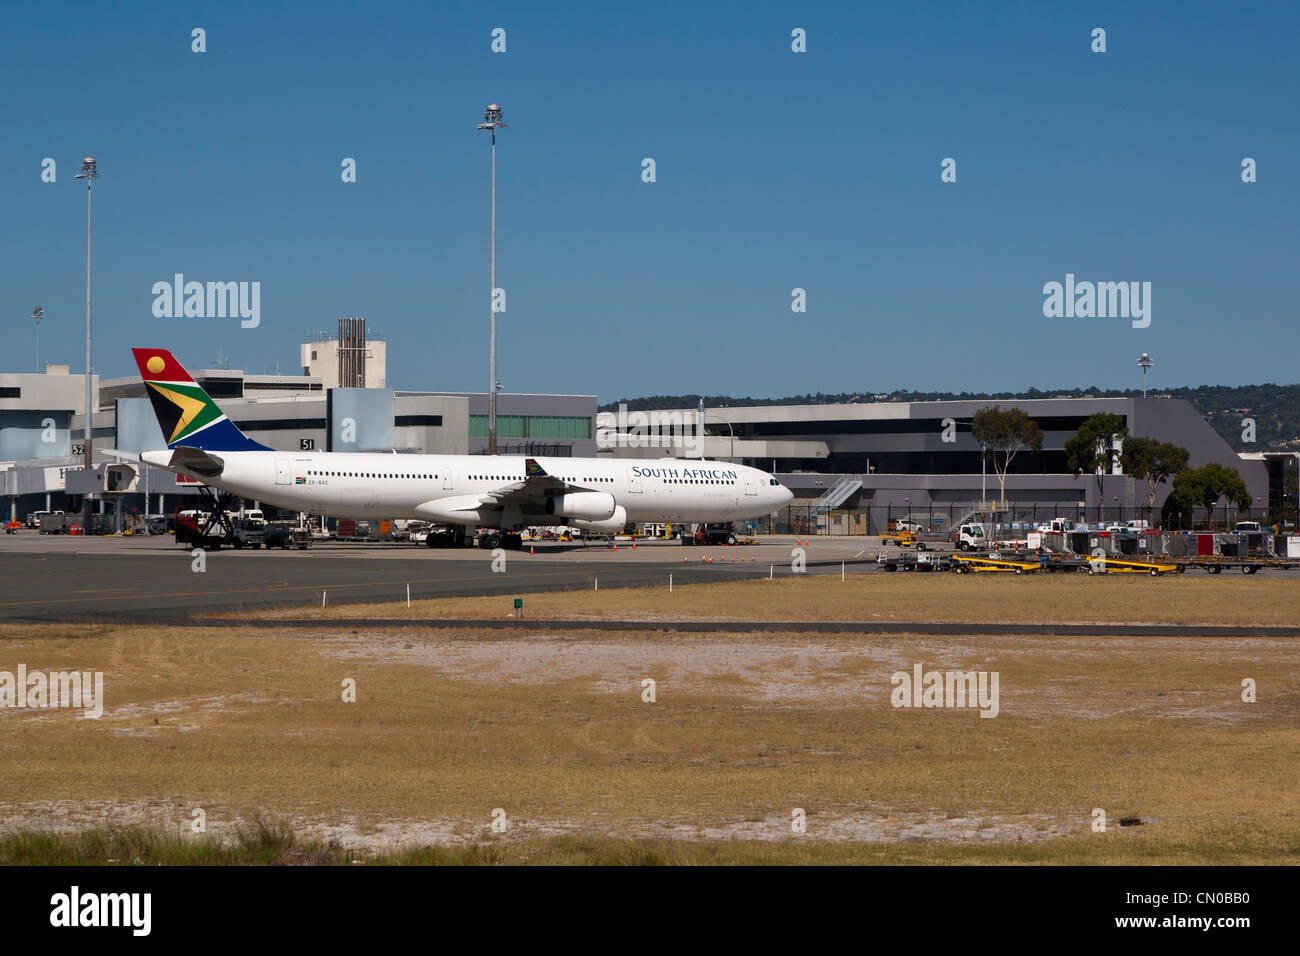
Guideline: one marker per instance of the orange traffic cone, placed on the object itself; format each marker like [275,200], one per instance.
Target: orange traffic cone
[615,547]
[531,551]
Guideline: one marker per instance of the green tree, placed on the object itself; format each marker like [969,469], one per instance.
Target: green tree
[1155,462]
[1092,449]
[1003,433]
[1205,486]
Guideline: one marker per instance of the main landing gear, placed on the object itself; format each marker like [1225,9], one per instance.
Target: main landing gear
[491,540]
[487,540]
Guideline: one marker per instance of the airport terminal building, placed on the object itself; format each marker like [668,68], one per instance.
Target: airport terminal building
[852,466]
[876,461]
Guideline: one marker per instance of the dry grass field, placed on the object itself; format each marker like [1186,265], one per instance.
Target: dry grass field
[1192,598]
[551,728]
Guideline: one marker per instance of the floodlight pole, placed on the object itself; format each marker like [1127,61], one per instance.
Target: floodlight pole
[89,174]
[38,313]
[1145,362]
[492,122]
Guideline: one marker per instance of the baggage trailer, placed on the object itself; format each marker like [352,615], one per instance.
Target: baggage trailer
[994,563]
[1109,565]
[1217,563]
[924,561]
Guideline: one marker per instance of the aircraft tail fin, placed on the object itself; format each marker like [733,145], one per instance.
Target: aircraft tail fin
[186,413]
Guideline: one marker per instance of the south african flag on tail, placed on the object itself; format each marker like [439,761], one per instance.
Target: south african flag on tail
[186,414]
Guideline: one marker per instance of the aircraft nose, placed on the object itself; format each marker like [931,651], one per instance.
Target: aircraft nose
[784,496]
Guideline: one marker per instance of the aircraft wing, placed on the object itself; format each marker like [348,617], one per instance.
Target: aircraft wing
[537,486]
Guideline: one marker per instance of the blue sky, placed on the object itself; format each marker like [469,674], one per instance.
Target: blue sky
[775,170]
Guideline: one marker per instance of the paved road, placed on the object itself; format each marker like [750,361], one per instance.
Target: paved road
[99,585]
[46,577]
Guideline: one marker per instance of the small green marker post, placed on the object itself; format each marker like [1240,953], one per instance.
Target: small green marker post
[519,606]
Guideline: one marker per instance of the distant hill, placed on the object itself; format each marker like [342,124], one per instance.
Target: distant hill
[1275,408]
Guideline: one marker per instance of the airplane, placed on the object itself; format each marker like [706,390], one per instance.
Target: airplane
[501,493]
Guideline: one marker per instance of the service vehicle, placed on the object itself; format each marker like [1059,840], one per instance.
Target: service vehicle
[282,534]
[36,517]
[1056,525]
[970,537]
[705,534]
[247,532]
[903,539]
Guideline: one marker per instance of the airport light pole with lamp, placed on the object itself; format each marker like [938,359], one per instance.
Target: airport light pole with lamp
[38,313]
[1145,362]
[492,122]
[89,173]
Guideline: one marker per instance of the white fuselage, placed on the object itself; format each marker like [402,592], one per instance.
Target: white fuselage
[378,485]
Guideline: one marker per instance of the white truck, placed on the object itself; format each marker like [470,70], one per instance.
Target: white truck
[970,537]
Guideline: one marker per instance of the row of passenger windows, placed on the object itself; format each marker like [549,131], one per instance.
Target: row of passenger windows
[695,481]
[367,474]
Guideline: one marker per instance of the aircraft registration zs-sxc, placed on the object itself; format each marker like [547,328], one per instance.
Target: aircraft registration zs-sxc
[498,492]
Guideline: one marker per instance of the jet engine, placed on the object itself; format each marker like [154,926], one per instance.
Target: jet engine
[583,505]
[614,522]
